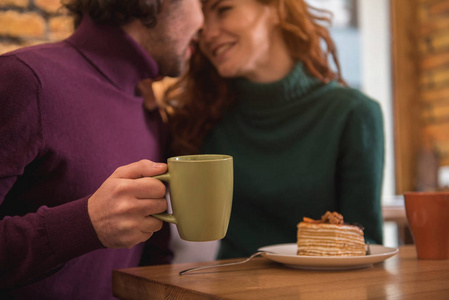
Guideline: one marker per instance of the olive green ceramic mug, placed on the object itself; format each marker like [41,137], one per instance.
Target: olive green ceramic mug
[201,189]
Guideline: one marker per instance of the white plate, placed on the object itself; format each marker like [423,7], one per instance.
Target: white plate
[286,254]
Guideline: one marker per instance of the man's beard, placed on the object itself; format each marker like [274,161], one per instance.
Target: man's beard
[171,67]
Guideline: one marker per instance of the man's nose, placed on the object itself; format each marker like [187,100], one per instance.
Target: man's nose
[208,32]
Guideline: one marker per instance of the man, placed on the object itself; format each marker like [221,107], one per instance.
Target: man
[70,116]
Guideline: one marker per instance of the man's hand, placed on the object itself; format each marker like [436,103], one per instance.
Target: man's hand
[120,209]
[151,93]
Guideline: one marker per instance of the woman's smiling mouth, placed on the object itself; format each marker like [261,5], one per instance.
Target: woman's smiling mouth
[222,49]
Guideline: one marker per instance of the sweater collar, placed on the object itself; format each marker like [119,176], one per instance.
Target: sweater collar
[293,86]
[120,59]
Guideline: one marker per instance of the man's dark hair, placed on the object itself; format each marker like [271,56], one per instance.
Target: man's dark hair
[115,12]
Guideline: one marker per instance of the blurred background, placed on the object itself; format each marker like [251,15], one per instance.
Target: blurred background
[395,51]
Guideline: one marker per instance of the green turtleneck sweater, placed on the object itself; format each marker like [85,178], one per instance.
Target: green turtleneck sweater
[300,148]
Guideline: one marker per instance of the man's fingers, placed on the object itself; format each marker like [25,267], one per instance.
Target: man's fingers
[152,206]
[139,169]
[150,225]
[148,188]
[141,188]
[146,89]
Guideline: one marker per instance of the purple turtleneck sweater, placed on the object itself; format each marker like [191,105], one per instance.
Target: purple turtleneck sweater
[69,116]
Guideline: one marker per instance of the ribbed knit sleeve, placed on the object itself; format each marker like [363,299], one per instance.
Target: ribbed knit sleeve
[360,166]
[20,126]
[33,245]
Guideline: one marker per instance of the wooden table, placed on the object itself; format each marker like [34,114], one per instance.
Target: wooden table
[399,277]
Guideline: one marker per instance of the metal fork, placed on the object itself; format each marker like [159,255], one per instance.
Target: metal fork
[224,264]
[368,252]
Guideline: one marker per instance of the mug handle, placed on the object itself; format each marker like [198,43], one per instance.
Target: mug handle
[163,216]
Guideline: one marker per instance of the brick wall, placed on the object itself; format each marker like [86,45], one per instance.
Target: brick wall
[433,48]
[30,22]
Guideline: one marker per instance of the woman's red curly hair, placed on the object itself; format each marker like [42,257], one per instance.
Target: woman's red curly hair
[196,102]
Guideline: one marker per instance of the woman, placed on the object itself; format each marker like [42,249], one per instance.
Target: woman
[260,88]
